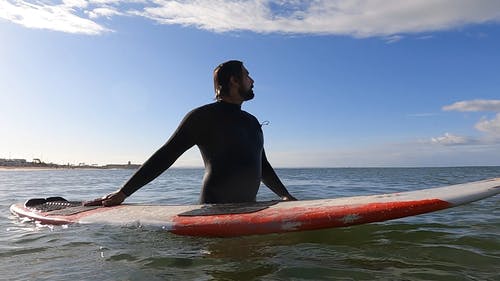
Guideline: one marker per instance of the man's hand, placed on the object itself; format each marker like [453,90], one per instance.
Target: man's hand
[112,199]
[288,197]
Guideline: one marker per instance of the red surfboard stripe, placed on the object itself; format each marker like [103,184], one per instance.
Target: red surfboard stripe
[274,220]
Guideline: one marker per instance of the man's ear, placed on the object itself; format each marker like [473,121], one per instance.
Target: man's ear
[234,81]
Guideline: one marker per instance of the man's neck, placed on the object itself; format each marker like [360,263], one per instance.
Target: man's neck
[232,100]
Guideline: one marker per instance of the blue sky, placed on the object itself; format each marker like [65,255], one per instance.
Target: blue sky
[342,83]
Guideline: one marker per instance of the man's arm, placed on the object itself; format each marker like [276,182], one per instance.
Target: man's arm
[160,161]
[271,180]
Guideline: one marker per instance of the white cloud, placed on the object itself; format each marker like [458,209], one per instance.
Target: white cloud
[490,127]
[474,106]
[103,12]
[355,18]
[421,115]
[215,15]
[59,17]
[75,3]
[450,139]
[361,18]
[393,39]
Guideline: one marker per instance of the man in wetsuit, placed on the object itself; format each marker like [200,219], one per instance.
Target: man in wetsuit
[230,141]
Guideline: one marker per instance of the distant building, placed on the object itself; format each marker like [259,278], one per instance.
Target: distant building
[13,162]
[122,166]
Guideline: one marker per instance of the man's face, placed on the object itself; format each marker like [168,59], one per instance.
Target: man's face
[246,85]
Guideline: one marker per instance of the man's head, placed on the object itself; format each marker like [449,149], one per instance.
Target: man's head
[232,81]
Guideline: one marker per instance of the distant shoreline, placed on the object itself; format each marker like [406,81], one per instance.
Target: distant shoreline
[8,168]
[61,167]
[37,164]
[135,167]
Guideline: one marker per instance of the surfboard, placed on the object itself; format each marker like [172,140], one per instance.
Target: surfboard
[225,220]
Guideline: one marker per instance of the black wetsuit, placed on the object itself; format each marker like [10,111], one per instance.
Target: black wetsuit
[231,143]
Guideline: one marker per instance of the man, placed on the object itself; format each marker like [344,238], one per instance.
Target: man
[230,141]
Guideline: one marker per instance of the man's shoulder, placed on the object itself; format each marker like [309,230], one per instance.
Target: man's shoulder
[202,109]
[215,108]
[208,106]
[249,115]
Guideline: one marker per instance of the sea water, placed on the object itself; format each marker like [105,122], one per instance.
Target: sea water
[461,243]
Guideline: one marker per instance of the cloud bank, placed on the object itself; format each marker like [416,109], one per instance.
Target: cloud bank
[489,127]
[360,18]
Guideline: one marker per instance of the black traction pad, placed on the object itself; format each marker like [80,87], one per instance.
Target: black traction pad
[229,209]
[57,206]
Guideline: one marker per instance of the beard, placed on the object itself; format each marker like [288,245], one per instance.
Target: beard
[246,94]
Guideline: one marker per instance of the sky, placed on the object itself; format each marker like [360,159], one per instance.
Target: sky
[379,83]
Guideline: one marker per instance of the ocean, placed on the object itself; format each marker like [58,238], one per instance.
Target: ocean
[461,243]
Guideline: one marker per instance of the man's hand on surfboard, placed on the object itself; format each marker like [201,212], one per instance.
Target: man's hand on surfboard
[112,199]
[288,197]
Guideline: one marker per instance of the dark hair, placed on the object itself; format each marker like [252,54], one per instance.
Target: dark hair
[223,74]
